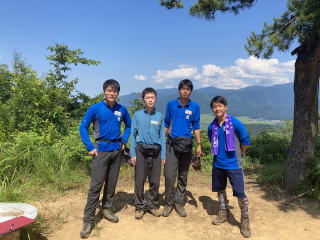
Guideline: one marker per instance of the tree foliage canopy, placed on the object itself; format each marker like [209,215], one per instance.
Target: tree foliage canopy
[30,103]
[299,22]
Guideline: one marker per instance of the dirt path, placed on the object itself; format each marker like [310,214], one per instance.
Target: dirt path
[273,216]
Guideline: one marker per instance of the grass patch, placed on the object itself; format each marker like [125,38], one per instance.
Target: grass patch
[11,189]
[44,226]
[272,173]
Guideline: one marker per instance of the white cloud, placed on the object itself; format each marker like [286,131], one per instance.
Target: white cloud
[140,77]
[247,72]
[182,71]
[243,73]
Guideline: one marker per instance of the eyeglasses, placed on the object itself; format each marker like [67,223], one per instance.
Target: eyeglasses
[111,90]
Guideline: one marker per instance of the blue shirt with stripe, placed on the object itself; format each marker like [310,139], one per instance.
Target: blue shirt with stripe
[106,126]
[147,128]
[226,159]
[182,119]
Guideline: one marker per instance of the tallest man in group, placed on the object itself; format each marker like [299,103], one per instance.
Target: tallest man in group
[106,117]
[182,118]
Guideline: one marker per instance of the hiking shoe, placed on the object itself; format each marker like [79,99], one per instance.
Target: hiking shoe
[245,228]
[86,230]
[139,214]
[180,210]
[155,212]
[221,217]
[108,214]
[166,211]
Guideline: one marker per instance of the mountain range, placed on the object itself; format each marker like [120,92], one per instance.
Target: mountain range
[272,102]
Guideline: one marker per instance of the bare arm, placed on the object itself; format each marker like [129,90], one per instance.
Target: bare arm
[198,138]
[166,131]
[243,148]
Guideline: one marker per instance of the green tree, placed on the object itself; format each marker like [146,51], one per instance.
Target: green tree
[63,99]
[21,93]
[61,58]
[28,102]
[135,104]
[299,23]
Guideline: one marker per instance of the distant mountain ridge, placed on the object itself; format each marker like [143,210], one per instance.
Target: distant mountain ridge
[273,102]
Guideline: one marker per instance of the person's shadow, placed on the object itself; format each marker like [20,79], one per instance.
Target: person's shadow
[212,208]
[190,199]
[121,201]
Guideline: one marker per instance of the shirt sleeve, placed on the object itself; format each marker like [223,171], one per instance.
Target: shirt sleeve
[241,131]
[127,129]
[210,132]
[196,120]
[84,129]
[167,119]
[133,136]
[162,140]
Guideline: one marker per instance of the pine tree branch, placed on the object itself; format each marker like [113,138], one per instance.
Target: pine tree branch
[292,18]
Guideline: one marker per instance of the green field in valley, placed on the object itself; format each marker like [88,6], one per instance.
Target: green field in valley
[254,126]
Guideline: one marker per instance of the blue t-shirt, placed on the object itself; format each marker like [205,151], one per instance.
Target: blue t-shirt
[229,159]
[147,128]
[106,126]
[182,119]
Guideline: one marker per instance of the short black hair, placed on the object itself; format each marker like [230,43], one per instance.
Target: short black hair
[112,83]
[219,99]
[185,82]
[148,90]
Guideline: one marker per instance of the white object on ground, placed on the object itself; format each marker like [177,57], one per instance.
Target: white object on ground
[13,210]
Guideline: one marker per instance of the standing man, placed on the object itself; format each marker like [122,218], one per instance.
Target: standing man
[106,117]
[182,116]
[229,140]
[148,153]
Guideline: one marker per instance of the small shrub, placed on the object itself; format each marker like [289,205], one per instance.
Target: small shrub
[272,173]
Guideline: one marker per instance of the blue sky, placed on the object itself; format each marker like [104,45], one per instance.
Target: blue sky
[142,44]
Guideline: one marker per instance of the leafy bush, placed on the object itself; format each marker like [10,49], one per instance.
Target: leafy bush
[52,159]
[272,173]
[271,146]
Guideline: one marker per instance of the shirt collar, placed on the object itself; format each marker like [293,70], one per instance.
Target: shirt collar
[116,104]
[179,104]
[151,113]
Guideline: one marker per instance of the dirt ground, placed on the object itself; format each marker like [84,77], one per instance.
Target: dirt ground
[273,215]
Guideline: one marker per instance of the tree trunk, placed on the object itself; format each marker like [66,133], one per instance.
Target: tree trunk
[305,123]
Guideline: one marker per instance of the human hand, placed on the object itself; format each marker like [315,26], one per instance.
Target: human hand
[133,160]
[93,153]
[199,151]
[163,161]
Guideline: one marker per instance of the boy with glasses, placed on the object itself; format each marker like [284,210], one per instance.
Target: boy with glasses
[106,117]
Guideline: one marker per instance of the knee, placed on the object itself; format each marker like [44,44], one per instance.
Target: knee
[169,180]
[240,194]
[95,189]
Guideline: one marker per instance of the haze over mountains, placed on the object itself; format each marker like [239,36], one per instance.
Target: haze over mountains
[273,102]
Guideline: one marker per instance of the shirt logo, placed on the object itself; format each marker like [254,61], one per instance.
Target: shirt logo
[117,113]
[155,122]
[188,112]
